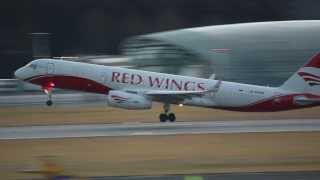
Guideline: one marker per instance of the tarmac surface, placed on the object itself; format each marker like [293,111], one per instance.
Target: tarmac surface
[312,175]
[16,99]
[149,129]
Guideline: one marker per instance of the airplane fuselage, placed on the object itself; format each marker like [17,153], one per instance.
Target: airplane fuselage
[102,79]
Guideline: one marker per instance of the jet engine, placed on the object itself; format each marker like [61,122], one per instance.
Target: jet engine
[127,100]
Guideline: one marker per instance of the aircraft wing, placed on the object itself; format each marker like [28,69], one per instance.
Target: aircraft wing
[214,88]
[178,96]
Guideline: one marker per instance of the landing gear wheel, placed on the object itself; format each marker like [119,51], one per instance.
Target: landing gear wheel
[47,89]
[49,103]
[172,117]
[163,117]
[166,116]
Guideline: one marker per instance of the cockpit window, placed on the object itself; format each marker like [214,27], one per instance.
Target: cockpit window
[32,65]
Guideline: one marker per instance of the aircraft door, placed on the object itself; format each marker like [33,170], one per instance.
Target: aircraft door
[50,68]
[103,76]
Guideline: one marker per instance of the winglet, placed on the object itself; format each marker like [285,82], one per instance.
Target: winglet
[215,88]
[213,76]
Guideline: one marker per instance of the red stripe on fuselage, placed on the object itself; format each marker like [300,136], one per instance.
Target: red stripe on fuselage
[276,103]
[70,82]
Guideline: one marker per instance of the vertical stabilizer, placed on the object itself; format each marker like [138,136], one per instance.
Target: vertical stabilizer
[306,79]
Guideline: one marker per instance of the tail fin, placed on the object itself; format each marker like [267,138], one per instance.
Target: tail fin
[306,79]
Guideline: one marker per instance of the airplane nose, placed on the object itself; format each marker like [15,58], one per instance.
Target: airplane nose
[17,73]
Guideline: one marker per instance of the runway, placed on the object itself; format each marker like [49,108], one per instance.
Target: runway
[60,99]
[311,175]
[155,129]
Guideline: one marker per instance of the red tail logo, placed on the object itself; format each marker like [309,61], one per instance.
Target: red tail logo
[314,62]
[311,79]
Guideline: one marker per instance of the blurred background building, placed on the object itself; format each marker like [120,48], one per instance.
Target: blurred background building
[180,37]
[264,53]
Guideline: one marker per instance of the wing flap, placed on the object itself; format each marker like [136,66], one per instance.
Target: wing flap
[175,96]
[163,92]
[179,96]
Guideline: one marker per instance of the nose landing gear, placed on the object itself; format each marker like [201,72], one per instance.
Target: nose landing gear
[49,102]
[166,116]
[48,90]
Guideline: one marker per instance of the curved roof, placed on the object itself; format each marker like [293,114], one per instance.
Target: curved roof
[237,51]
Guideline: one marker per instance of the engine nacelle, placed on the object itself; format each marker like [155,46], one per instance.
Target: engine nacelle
[126,100]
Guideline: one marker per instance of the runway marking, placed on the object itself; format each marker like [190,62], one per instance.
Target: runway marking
[141,133]
[153,129]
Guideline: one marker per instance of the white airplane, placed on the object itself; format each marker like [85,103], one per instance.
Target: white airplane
[136,89]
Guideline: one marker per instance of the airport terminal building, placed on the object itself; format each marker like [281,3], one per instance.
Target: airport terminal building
[265,53]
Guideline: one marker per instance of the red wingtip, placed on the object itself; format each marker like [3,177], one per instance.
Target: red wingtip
[314,61]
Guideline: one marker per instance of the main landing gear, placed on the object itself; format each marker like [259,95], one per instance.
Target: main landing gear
[167,116]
